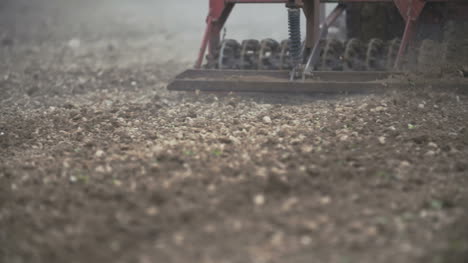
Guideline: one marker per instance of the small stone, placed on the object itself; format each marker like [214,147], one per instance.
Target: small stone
[66,164]
[267,120]
[405,164]
[430,153]
[306,240]
[433,145]
[152,211]
[372,231]
[378,109]
[363,106]
[209,229]
[259,200]
[178,238]
[344,138]
[382,140]
[325,200]
[99,153]
[117,182]
[307,148]
[261,172]
[311,225]
[211,188]
[237,225]
[189,120]
[234,140]
[421,106]
[100,169]
[277,239]
[289,203]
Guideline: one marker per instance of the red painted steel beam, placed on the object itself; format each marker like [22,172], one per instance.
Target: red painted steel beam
[410,11]
[204,44]
[256,1]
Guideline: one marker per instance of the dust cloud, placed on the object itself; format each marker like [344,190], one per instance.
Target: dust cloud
[171,30]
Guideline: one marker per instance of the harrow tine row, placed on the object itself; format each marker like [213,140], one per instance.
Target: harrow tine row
[269,54]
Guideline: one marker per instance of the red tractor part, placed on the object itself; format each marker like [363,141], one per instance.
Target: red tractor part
[372,76]
[219,11]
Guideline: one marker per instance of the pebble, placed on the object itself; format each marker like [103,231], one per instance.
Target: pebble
[259,200]
[344,138]
[306,240]
[421,106]
[433,145]
[211,188]
[430,153]
[289,203]
[267,120]
[405,164]
[382,140]
[152,211]
[307,148]
[277,239]
[371,231]
[325,200]
[378,109]
[189,120]
[311,225]
[99,153]
[261,171]
[178,238]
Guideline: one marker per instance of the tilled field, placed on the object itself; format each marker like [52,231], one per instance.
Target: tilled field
[99,163]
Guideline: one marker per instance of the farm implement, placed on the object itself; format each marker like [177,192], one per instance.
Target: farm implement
[384,40]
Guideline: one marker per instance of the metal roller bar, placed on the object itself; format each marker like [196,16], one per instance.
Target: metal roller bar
[321,82]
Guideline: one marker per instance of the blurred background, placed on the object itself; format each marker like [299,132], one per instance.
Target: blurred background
[172,29]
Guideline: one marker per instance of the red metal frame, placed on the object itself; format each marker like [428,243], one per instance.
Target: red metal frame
[219,11]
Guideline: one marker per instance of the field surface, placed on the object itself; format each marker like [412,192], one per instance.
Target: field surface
[100,163]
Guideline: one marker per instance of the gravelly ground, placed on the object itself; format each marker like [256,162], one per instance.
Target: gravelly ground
[99,163]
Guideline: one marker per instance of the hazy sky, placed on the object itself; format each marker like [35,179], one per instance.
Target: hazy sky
[246,20]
